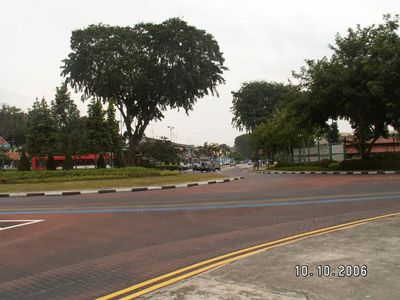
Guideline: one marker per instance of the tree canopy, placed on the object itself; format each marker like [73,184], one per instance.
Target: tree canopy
[360,82]
[145,69]
[66,115]
[255,102]
[13,124]
[41,130]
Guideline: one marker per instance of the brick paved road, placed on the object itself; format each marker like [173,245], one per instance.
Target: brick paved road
[91,245]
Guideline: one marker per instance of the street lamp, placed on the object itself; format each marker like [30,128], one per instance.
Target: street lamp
[170,131]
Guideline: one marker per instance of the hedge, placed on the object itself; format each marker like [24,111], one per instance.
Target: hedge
[323,163]
[79,174]
[370,164]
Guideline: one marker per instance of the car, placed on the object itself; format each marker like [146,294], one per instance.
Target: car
[208,166]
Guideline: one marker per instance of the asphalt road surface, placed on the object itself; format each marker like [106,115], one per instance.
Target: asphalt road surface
[92,245]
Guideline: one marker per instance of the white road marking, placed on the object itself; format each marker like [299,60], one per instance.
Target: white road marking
[26,222]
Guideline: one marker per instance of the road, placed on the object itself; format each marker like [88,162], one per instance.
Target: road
[92,245]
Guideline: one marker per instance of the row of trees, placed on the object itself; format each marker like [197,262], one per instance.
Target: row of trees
[359,83]
[58,129]
[13,124]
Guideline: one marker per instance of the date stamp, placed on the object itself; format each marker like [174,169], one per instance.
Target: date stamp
[326,271]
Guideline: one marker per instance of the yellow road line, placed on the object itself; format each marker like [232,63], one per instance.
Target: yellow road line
[226,258]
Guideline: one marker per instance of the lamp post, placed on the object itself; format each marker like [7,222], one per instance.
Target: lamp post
[170,131]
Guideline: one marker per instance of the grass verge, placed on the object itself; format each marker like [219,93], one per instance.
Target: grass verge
[110,183]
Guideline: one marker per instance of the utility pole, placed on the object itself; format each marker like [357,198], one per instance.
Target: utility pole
[170,131]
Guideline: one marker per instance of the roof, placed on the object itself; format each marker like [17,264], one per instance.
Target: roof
[13,155]
[2,141]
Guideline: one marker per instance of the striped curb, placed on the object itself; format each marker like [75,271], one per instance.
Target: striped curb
[332,172]
[119,190]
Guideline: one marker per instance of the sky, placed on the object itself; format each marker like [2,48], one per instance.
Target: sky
[261,40]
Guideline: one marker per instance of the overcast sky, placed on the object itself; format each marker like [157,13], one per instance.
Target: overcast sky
[261,40]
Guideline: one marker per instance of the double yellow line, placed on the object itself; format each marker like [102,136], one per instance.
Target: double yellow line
[195,269]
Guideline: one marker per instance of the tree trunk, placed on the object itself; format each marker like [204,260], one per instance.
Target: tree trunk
[133,145]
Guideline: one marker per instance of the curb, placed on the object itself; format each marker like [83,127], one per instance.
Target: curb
[120,190]
[332,172]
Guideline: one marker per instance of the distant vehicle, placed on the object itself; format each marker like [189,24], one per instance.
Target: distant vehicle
[208,166]
[184,167]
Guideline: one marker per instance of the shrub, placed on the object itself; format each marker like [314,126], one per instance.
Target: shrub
[101,163]
[324,163]
[370,164]
[51,163]
[24,163]
[169,167]
[80,174]
[68,163]
[334,166]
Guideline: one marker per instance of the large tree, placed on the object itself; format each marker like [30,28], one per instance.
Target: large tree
[360,82]
[244,145]
[98,136]
[13,124]
[41,130]
[116,146]
[145,69]
[66,114]
[255,102]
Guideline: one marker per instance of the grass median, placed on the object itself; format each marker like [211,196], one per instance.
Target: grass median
[77,185]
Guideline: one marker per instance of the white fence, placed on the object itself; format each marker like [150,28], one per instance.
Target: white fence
[319,152]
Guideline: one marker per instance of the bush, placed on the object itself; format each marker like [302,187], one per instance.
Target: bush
[377,163]
[101,163]
[80,174]
[68,163]
[51,163]
[324,163]
[169,167]
[334,166]
[24,163]
[119,160]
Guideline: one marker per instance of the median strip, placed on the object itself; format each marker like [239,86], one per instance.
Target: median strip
[153,284]
[119,190]
[331,172]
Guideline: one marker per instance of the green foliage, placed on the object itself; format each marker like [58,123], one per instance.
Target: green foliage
[66,115]
[68,163]
[101,163]
[41,129]
[323,163]
[161,150]
[24,164]
[119,159]
[145,69]
[332,133]
[98,137]
[169,167]
[115,147]
[51,163]
[256,102]
[359,83]
[79,175]
[370,164]
[13,124]
[244,146]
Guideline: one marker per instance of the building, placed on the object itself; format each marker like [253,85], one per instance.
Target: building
[382,145]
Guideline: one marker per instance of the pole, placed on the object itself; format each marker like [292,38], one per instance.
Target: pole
[170,131]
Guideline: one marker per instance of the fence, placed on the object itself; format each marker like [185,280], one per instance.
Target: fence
[318,152]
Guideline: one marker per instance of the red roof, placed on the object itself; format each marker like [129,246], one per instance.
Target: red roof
[2,141]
